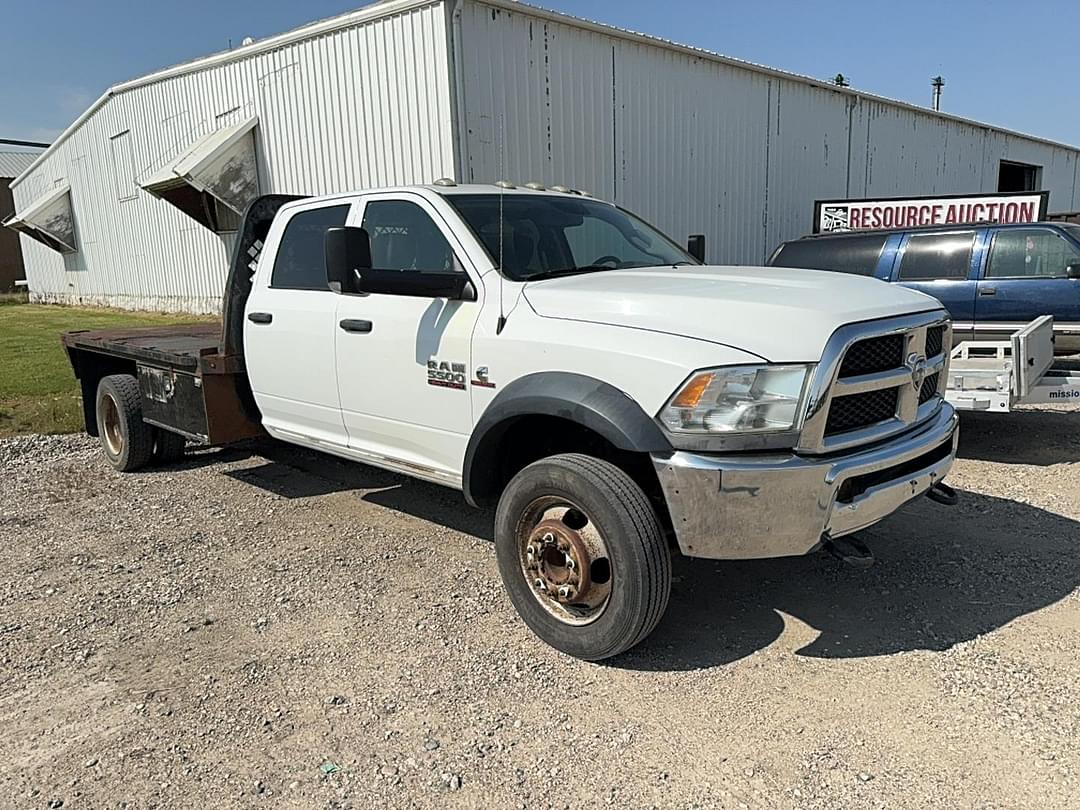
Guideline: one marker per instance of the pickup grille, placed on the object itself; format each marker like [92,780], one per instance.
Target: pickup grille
[884,380]
[861,410]
[934,337]
[929,388]
[873,355]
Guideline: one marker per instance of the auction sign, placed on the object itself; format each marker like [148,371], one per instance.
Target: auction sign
[922,212]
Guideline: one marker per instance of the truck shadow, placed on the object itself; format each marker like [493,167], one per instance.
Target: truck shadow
[941,577]
[1030,436]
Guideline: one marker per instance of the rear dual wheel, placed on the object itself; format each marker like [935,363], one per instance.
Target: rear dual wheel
[582,555]
[129,442]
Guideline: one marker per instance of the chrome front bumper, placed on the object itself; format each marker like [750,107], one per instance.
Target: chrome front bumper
[744,507]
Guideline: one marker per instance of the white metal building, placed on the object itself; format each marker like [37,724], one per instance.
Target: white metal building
[135,203]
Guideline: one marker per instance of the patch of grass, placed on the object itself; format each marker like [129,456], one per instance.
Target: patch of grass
[38,391]
[17,297]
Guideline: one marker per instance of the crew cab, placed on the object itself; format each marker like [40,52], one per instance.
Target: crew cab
[993,279]
[556,357]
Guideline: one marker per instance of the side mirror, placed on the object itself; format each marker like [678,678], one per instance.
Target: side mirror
[417,283]
[1073,271]
[348,254]
[695,246]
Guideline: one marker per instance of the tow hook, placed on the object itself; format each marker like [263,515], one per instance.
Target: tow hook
[942,493]
[849,549]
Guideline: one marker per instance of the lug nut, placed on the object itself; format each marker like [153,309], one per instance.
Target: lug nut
[570,563]
[539,583]
[564,591]
[548,538]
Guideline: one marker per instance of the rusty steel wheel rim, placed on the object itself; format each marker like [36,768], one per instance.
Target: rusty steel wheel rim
[111,428]
[564,559]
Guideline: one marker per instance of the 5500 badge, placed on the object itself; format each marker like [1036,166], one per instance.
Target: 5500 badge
[445,374]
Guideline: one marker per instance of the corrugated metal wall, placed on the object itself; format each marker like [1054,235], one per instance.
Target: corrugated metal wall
[362,106]
[696,145]
[692,143]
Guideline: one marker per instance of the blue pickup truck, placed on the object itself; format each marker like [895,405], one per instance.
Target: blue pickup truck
[993,279]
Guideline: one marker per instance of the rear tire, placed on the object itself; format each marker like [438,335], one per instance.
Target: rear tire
[127,440]
[168,446]
[582,555]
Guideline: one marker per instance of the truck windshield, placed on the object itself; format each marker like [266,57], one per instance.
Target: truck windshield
[543,236]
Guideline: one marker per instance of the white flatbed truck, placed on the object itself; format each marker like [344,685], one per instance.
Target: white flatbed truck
[560,359]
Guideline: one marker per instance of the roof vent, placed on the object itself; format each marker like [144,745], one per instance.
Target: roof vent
[446,181]
[248,41]
[535,186]
[561,189]
[505,184]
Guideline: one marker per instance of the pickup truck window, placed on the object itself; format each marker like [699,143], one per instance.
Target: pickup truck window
[542,236]
[301,263]
[1030,252]
[403,237]
[857,255]
[937,256]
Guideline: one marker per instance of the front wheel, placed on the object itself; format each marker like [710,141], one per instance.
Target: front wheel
[582,555]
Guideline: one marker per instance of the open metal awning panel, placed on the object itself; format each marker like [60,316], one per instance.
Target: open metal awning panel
[49,220]
[219,168]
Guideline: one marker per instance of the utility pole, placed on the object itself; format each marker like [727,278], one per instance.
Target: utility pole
[937,83]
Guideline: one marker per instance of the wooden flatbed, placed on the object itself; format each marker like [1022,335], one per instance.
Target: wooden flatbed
[174,346]
[187,384]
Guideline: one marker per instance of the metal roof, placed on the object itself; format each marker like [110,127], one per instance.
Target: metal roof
[12,164]
[387,8]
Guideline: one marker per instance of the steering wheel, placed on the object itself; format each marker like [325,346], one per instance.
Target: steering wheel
[613,260]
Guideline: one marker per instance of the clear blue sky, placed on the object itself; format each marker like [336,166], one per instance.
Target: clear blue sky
[1012,64]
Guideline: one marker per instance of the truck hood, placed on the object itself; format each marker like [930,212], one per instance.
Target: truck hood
[781,315]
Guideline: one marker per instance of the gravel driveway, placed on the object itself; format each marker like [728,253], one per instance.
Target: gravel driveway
[271,628]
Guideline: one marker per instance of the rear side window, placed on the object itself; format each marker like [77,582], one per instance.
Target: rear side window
[1030,253]
[857,255]
[300,263]
[937,256]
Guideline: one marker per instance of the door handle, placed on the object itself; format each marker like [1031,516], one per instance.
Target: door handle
[353,325]
[260,317]
[987,290]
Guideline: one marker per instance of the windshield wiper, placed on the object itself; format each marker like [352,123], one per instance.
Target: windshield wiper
[568,271]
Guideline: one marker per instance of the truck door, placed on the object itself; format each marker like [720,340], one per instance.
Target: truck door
[289,331]
[941,265]
[1024,277]
[403,360]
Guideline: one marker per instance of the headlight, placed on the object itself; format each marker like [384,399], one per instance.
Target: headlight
[739,399]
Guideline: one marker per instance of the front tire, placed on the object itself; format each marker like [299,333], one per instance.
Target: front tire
[127,440]
[582,555]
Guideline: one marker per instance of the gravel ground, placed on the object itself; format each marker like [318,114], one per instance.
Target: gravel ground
[271,628]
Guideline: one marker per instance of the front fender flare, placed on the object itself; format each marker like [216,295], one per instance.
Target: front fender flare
[583,400]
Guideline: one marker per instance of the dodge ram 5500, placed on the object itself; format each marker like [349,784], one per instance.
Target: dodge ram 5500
[557,357]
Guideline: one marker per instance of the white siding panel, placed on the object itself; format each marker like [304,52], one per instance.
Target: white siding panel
[538,101]
[696,144]
[363,106]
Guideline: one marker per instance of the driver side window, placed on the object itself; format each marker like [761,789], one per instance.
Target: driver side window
[404,237]
[596,239]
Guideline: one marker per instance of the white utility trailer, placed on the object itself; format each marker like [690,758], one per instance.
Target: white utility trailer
[996,375]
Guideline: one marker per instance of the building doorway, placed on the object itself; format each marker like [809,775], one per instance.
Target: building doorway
[1014,176]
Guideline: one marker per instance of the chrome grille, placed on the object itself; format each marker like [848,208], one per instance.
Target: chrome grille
[876,379]
[859,410]
[929,388]
[934,340]
[872,355]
